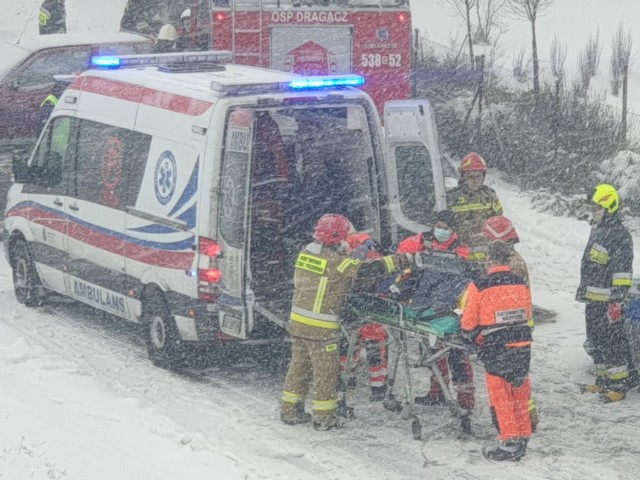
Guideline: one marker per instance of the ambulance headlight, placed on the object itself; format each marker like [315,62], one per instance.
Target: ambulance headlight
[105,62]
[310,83]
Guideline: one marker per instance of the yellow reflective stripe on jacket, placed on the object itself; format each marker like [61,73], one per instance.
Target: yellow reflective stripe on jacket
[347,263]
[478,256]
[290,397]
[314,322]
[322,288]
[532,405]
[44,17]
[311,263]
[51,98]
[324,405]
[388,262]
[531,323]
[497,207]
[622,279]
[596,294]
[599,254]
[617,373]
[472,207]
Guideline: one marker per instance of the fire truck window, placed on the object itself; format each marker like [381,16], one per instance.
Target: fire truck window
[415,181]
[110,164]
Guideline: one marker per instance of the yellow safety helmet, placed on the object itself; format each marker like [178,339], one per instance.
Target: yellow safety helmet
[607,197]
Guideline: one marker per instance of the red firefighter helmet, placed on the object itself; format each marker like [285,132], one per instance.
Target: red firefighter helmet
[332,229]
[472,162]
[500,229]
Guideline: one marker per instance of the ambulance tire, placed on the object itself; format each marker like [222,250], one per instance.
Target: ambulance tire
[161,335]
[26,283]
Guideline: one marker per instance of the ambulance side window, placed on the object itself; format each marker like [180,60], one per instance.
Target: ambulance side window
[110,164]
[52,155]
[415,182]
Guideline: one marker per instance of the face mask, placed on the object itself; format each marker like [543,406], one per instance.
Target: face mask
[442,234]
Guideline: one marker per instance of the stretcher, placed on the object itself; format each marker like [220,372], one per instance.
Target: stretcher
[436,335]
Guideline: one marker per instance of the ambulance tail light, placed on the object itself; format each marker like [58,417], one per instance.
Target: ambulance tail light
[208,273]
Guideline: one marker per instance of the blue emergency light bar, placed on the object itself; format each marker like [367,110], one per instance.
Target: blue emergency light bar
[105,62]
[310,83]
[141,60]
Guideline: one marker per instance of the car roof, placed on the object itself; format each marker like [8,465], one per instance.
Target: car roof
[34,43]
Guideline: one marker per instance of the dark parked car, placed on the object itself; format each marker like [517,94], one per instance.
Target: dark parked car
[27,68]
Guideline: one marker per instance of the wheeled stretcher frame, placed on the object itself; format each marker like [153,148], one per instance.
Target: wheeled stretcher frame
[433,345]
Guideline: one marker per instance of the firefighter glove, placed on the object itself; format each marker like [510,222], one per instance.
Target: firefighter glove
[614,313]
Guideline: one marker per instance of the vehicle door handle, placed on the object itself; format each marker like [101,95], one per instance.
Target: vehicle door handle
[74,207]
[57,202]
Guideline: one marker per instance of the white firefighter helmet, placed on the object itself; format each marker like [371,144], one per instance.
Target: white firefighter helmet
[168,32]
[186,14]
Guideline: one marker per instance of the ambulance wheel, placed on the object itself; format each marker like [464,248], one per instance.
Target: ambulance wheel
[160,332]
[26,283]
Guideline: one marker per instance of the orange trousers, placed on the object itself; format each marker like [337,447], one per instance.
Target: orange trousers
[509,407]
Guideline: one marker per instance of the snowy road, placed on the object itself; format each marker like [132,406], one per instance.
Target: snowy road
[81,401]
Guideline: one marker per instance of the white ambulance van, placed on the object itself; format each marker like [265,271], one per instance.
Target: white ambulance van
[176,190]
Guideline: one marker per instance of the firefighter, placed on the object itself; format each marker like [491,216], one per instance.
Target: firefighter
[444,238]
[324,275]
[184,31]
[52,17]
[473,203]
[167,40]
[605,278]
[372,336]
[500,229]
[496,312]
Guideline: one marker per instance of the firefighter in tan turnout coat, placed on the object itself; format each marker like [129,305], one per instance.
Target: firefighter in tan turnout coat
[324,275]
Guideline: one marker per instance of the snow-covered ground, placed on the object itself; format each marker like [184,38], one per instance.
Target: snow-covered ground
[81,401]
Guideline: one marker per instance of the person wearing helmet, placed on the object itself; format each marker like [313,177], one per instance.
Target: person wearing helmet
[500,229]
[167,40]
[52,17]
[473,203]
[372,337]
[443,238]
[324,275]
[605,278]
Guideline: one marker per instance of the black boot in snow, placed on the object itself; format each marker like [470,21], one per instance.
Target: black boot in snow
[508,450]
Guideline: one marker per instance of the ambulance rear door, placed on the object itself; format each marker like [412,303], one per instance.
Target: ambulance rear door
[413,164]
[232,225]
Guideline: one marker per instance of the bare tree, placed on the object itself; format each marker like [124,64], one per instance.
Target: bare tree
[463,10]
[558,56]
[488,15]
[530,10]
[621,47]
[520,70]
[620,53]
[589,60]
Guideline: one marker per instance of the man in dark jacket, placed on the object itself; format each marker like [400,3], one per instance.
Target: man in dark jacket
[52,17]
[605,278]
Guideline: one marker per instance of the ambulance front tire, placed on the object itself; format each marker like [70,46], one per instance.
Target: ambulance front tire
[161,335]
[26,283]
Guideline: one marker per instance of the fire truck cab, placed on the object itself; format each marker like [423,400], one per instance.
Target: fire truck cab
[175,190]
[371,38]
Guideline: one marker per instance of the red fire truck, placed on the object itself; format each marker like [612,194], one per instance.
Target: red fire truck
[311,37]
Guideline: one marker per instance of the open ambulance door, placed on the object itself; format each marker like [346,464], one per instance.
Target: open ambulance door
[413,165]
[233,229]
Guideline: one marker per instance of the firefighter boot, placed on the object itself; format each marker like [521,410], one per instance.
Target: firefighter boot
[431,400]
[300,416]
[507,450]
[378,393]
[333,422]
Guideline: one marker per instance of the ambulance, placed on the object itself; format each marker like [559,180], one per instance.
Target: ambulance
[175,191]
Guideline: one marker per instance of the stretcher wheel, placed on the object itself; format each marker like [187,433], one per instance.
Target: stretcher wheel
[465,424]
[416,429]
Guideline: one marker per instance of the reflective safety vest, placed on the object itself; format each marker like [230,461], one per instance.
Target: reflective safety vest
[44,16]
[50,99]
[606,270]
[322,279]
